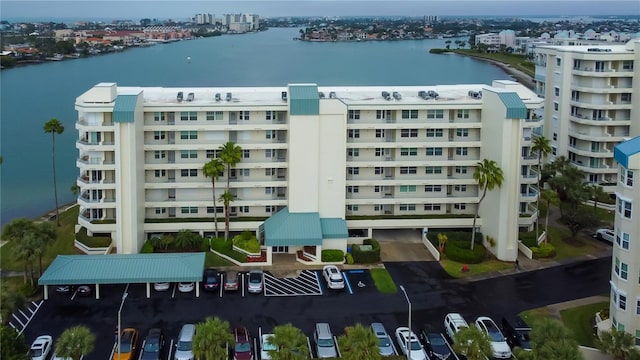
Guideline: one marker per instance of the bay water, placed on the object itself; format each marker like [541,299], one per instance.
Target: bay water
[31,95]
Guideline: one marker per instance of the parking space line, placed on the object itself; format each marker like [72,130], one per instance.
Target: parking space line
[242,281]
[319,283]
[220,283]
[173,292]
[171,348]
[20,322]
[141,348]
[113,350]
[346,280]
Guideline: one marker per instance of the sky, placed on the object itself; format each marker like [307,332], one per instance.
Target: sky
[180,10]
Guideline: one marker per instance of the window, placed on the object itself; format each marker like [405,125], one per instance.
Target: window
[637,312]
[159,135]
[378,170]
[212,154]
[353,189]
[246,154]
[269,115]
[243,115]
[188,135]
[269,153]
[432,188]
[188,154]
[269,172]
[269,209]
[377,188]
[554,150]
[353,114]
[408,170]
[627,65]
[621,269]
[268,190]
[622,302]
[219,209]
[409,133]
[243,209]
[353,170]
[407,188]
[431,207]
[379,152]
[461,169]
[460,206]
[188,116]
[435,114]
[555,136]
[624,208]
[433,170]
[434,151]
[379,133]
[189,172]
[353,152]
[408,151]
[158,116]
[214,115]
[462,132]
[159,154]
[407,207]
[352,207]
[434,132]
[558,61]
[626,177]
[354,133]
[160,211]
[463,151]
[160,173]
[460,188]
[463,114]
[383,114]
[270,134]
[556,106]
[189,210]
[409,114]
[556,91]
[244,172]
[625,97]
[622,239]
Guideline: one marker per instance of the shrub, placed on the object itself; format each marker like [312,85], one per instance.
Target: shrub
[349,258]
[332,255]
[366,256]
[459,251]
[147,248]
[247,241]
[226,248]
[186,239]
[92,241]
[204,245]
[545,250]
[455,236]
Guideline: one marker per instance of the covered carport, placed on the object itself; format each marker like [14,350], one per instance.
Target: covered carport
[123,269]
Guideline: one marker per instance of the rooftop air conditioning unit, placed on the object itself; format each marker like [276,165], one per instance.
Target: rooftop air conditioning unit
[321,95]
[218,97]
[386,95]
[180,96]
[283,96]
[332,95]
[396,95]
[229,96]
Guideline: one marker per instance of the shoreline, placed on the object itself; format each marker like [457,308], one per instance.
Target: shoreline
[519,75]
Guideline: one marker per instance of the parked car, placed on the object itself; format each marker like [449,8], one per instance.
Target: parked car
[384,341]
[65,289]
[405,337]
[186,287]
[453,322]
[325,344]
[266,346]
[516,331]
[436,345]
[607,235]
[333,277]
[84,290]
[161,286]
[41,347]
[184,349]
[153,345]
[255,281]
[210,279]
[242,349]
[231,281]
[128,345]
[499,347]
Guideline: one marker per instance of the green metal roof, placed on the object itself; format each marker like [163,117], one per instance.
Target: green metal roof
[515,107]
[125,108]
[293,229]
[304,99]
[123,268]
[624,150]
[334,228]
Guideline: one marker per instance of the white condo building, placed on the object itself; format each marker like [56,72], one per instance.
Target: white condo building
[624,308]
[589,103]
[317,161]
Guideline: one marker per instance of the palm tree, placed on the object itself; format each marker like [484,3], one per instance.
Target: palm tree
[359,343]
[211,339]
[54,126]
[551,340]
[542,148]
[597,193]
[213,169]
[551,198]
[9,301]
[45,234]
[226,199]
[473,343]
[12,344]
[488,175]
[20,233]
[230,154]
[75,342]
[290,342]
[619,344]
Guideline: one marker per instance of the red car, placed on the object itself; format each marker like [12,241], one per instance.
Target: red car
[243,349]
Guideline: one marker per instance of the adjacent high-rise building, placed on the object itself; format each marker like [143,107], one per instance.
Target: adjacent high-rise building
[591,103]
[316,161]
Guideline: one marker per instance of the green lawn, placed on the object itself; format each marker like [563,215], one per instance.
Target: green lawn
[214,260]
[454,268]
[516,61]
[383,281]
[579,320]
[560,238]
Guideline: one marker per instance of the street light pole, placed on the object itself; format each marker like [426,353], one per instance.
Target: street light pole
[124,296]
[410,331]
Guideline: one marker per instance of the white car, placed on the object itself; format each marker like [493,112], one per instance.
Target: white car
[404,335]
[333,277]
[161,286]
[499,347]
[605,234]
[266,346]
[186,287]
[41,347]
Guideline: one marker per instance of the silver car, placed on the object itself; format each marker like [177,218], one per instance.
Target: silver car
[325,345]
[384,342]
[255,281]
[184,348]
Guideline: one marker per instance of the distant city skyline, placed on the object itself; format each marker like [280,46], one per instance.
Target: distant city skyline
[181,10]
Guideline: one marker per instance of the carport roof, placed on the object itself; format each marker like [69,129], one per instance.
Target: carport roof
[123,268]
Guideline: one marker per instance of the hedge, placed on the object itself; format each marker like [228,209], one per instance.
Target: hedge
[226,248]
[545,250]
[147,248]
[453,236]
[368,256]
[247,241]
[332,255]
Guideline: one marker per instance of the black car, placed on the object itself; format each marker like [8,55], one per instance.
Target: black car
[65,289]
[84,290]
[153,345]
[516,331]
[210,279]
[436,345]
